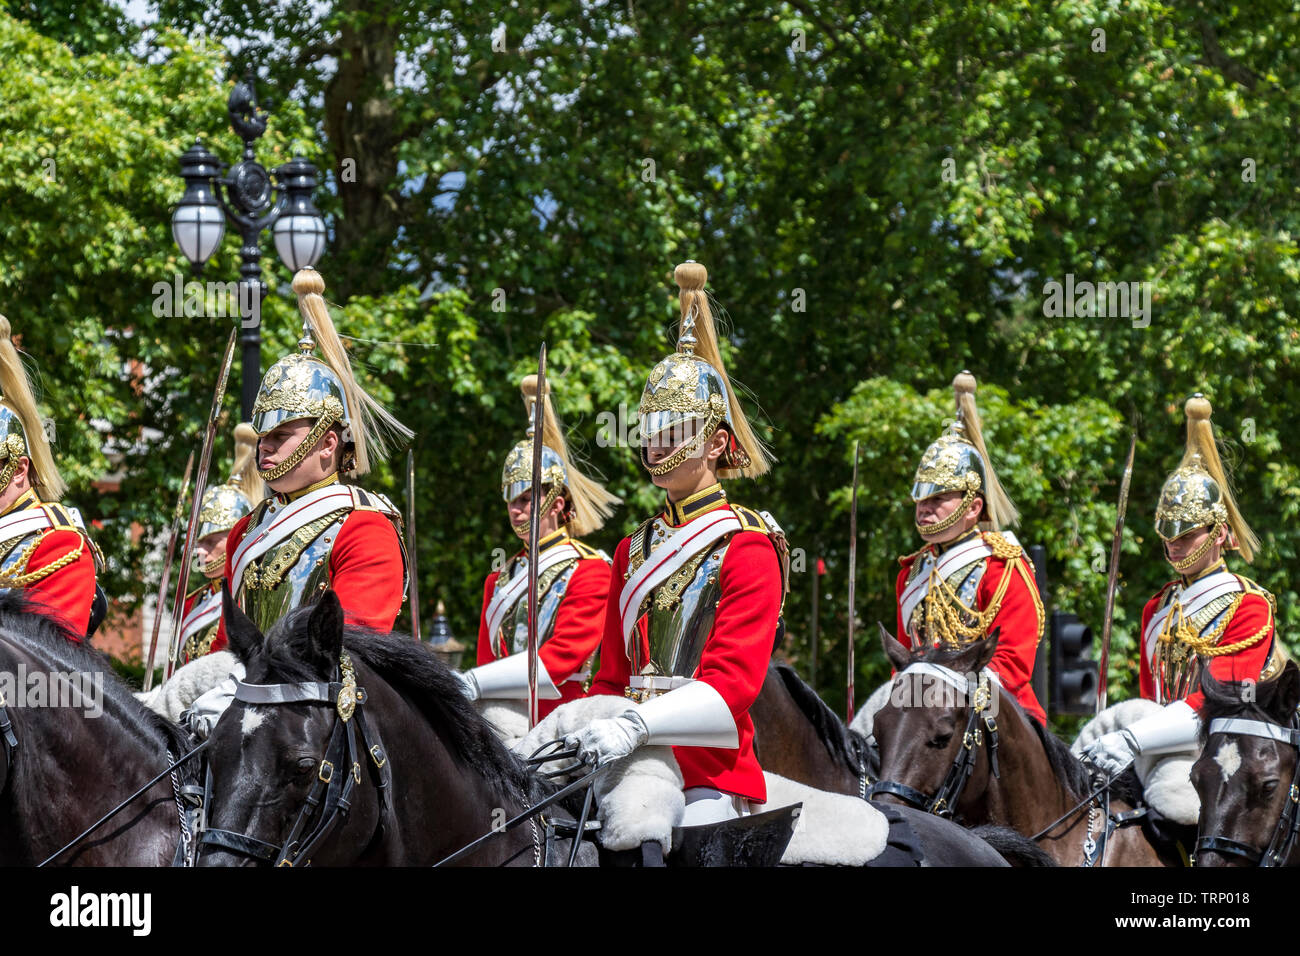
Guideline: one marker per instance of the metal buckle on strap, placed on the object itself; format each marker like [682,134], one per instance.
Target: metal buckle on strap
[378,756]
[326,773]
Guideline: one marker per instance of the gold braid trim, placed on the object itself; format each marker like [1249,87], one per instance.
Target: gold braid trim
[944,609]
[1208,646]
[8,580]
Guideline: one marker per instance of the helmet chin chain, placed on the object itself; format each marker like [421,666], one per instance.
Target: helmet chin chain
[1192,559]
[939,527]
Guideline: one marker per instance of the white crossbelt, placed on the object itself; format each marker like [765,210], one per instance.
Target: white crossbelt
[678,548]
[276,526]
[952,561]
[203,613]
[1192,600]
[505,598]
[20,524]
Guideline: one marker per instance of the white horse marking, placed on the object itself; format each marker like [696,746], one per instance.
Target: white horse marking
[253,718]
[1228,758]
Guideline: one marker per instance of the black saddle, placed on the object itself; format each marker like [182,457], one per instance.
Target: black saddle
[756,840]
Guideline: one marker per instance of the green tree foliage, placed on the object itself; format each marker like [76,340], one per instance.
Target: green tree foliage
[880,197]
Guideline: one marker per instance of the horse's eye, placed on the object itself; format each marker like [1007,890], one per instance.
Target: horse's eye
[940,741]
[306,764]
[1268,788]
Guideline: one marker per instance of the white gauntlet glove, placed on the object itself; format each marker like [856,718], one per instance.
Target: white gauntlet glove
[1112,753]
[468,685]
[1176,728]
[208,708]
[604,741]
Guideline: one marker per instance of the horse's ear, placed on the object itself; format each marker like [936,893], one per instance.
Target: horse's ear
[241,633]
[1214,689]
[325,628]
[896,652]
[1287,697]
[986,649]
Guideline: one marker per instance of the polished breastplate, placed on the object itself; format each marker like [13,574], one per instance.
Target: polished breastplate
[552,585]
[292,573]
[12,554]
[681,611]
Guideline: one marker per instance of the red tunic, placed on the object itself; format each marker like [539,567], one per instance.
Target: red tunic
[1253,614]
[579,624]
[365,570]
[1020,618]
[734,660]
[67,593]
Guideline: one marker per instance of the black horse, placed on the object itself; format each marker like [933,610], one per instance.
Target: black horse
[83,745]
[426,776]
[1248,774]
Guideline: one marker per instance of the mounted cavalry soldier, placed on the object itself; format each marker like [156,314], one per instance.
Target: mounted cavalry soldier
[222,508]
[573,578]
[1209,618]
[44,548]
[690,627]
[972,575]
[315,425]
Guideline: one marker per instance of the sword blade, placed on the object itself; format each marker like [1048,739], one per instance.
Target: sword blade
[414,587]
[159,602]
[534,533]
[1112,579]
[200,485]
[853,569]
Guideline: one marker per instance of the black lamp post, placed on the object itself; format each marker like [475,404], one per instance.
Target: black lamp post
[244,196]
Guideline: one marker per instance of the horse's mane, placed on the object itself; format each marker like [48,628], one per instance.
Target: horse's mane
[835,737]
[1065,765]
[43,636]
[409,666]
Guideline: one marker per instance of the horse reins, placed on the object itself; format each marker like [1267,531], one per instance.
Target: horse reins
[1288,824]
[337,776]
[171,769]
[944,801]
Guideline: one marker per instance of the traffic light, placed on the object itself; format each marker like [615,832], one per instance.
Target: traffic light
[1073,676]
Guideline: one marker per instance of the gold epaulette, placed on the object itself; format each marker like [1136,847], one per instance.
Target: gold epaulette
[915,554]
[750,520]
[1250,587]
[1002,548]
[62,521]
[586,550]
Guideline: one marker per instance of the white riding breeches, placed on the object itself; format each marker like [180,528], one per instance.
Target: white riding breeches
[707,805]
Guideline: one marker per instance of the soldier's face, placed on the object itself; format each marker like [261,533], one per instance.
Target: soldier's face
[1185,545]
[938,508]
[211,549]
[521,509]
[282,441]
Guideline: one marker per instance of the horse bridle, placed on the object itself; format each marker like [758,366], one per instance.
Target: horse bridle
[1288,825]
[337,776]
[943,802]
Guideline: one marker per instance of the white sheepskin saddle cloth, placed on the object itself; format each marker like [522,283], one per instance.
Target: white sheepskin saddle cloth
[187,684]
[507,718]
[640,798]
[1166,778]
[864,719]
